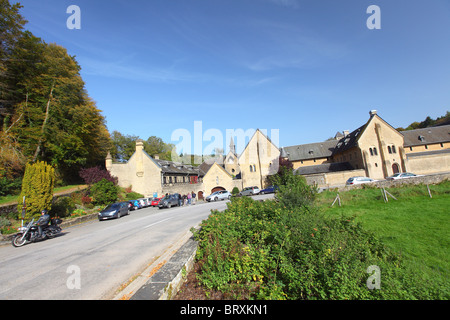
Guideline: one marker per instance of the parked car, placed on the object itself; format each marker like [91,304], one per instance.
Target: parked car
[134,205]
[114,211]
[143,202]
[270,189]
[155,201]
[219,195]
[249,191]
[169,201]
[404,175]
[359,180]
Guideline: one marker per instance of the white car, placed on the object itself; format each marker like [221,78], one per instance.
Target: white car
[359,180]
[404,175]
[219,195]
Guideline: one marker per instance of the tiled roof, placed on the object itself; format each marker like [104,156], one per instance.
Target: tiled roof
[310,151]
[324,168]
[424,136]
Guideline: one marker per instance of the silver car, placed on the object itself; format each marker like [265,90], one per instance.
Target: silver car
[404,175]
[219,195]
[359,180]
[249,191]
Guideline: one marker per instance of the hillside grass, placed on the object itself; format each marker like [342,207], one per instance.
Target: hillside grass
[415,225]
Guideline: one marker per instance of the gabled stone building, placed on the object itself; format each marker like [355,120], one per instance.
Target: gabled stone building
[376,150]
[154,177]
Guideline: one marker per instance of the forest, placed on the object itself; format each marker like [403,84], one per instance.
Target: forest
[46,113]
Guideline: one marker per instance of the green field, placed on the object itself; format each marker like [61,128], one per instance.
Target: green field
[414,225]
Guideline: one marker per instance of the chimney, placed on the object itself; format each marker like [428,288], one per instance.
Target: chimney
[346,133]
[372,113]
[139,145]
[156,157]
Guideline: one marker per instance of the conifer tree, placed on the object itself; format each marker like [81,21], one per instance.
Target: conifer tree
[37,187]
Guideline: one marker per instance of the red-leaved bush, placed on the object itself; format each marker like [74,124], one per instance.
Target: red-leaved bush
[96,174]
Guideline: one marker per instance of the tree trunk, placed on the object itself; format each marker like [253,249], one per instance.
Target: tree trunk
[38,148]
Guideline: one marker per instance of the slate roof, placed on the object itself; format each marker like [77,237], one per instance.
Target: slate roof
[176,168]
[310,151]
[424,136]
[349,141]
[324,168]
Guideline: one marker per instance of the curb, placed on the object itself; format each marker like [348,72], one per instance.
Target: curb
[166,281]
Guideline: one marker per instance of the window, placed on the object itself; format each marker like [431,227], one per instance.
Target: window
[393,149]
[251,168]
[426,147]
[442,145]
[389,149]
[371,151]
[375,151]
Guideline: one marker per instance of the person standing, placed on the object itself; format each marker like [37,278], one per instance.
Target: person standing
[189,197]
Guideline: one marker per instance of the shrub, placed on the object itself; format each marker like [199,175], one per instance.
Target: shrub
[37,187]
[235,191]
[104,192]
[96,174]
[287,249]
[62,207]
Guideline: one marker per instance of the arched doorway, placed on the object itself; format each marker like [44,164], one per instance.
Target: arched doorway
[200,195]
[217,189]
[395,168]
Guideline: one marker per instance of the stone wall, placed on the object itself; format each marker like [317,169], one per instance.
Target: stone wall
[429,179]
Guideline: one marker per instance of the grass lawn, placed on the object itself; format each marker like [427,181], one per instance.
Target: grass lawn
[416,226]
[11,199]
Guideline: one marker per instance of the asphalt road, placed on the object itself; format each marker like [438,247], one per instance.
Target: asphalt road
[93,260]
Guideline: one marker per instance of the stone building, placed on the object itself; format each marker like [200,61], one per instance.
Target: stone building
[154,177]
[376,150]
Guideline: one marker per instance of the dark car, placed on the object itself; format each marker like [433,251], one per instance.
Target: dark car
[169,201]
[270,189]
[114,211]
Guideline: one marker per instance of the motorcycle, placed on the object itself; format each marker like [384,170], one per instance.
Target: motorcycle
[30,233]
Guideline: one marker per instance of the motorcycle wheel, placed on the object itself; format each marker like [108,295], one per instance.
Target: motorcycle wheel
[16,242]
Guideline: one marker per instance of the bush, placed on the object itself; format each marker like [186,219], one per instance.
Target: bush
[8,186]
[62,207]
[287,249]
[37,187]
[96,174]
[104,192]
[235,191]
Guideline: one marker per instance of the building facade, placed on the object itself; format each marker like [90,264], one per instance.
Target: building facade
[376,150]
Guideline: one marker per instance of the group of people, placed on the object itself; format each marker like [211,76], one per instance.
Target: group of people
[187,199]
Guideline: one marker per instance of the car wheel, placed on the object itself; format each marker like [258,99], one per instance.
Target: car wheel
[169,205]
[215,199]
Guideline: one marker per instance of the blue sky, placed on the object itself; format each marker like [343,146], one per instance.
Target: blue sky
[308,68]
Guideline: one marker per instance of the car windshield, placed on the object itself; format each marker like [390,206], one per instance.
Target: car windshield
[112,206]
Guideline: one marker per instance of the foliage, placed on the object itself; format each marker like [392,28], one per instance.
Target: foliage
[291,250]
[96,174]
[45,111]
[8,186]
[104,192]
[235,191]
[123,147]
[37,188]
[429,122]
[62,207]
